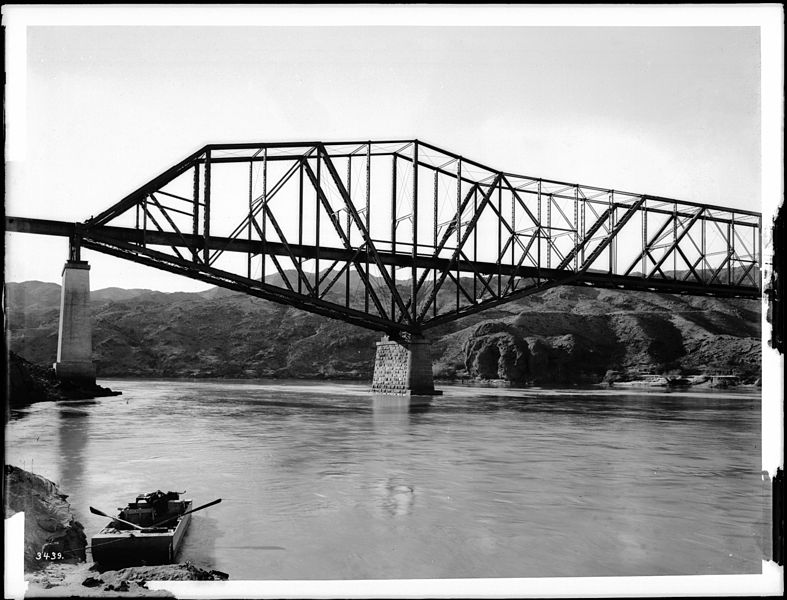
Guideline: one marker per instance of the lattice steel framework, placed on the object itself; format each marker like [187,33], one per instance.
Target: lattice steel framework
[401,236]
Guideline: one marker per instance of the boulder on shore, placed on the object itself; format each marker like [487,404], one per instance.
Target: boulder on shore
[50,525]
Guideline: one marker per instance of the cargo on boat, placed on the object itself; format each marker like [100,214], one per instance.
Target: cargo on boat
[150,531]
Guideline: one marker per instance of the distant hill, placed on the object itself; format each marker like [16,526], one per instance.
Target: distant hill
[561,335]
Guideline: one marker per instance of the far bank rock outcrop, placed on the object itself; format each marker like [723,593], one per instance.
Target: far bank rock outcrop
[497,351]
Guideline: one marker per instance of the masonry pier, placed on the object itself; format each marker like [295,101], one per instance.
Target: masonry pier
[404,367]
[74,341]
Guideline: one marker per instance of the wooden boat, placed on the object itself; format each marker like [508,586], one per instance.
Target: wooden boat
[150,530]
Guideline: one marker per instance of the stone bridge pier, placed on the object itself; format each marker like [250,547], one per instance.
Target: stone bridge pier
[74,340]
[404,367]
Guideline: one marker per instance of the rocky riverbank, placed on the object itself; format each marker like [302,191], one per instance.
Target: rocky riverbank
[55,547]
[29,383]
[50,526]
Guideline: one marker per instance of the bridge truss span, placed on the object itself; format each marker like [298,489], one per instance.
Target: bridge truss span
[401,236]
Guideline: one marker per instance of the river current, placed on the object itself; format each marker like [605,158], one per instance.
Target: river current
[324,481]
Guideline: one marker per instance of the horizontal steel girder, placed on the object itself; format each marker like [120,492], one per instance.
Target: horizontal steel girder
[127,240]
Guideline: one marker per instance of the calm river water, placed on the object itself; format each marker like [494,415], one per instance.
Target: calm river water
[322,481]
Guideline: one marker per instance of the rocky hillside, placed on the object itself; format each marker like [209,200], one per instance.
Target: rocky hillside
[564,334]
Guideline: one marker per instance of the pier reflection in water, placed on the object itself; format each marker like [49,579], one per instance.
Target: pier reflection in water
[324,481]
[73,436]
[389,409]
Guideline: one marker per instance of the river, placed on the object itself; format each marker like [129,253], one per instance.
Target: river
[323,481]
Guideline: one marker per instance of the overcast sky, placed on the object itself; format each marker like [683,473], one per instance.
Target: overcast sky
[671,111]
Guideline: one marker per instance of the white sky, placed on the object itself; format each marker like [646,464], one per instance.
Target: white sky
[667,110]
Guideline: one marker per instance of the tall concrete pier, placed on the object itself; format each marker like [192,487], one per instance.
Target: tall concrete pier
[404,367]
[74,342]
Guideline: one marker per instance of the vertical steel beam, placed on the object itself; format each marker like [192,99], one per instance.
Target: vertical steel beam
[729,253]
[195,220]
[514,235]
[576,224]
[349,232]
[549,231]
[584,225]
[434,239]
[674,239]
[74,248]
[251,216]
[206,212]
[732,243]
[393,231]
[499,232]
[300,219]
[705,264]
[758,245]
[614,242]
[264,252]
[458,223]
[539,229]
[475,247]
[144,220]
[414,273]
[611,209]
[644,236]
[368,231]
[318,187]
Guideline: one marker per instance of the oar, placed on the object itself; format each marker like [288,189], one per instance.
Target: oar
[95,511]
[188,512]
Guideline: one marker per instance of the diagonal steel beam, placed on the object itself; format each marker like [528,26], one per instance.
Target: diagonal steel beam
[152,218]
[721,266]
[586,239]
[492,302]
[613,232]
[287,248]
[461,288]
[653,260]
[345,267]
[371,250]
[282,272]
[536,221]
[676,241]
[152,185]
[745,275]
[345,240]
[648,246]
[689,264]
[525,254]
[169,220]
[236,282]
[452,227]
[259,204]
[468,230]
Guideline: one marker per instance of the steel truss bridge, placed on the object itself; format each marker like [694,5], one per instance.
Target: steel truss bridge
[402,236]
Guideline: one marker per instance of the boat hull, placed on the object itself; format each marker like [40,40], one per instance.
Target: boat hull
[137,547]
